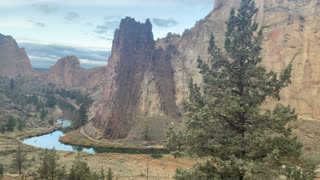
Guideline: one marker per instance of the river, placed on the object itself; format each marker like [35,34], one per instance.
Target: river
[49,141]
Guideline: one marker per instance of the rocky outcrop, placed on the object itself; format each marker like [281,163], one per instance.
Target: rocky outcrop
[13,60]
[139,84]
[148,80]
[291,35]
[68,73]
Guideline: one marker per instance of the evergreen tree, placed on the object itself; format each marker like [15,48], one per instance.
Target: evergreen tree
[11,124]
[226,123]
[51,100]
[94,176]
[2,128]
[21,124]
[43,114]
[50,168]
[1,170]
[110,174]
[102,175]
[83,114]
[176,140]
[19,159]
[146,133]
[80,117]
[79,170]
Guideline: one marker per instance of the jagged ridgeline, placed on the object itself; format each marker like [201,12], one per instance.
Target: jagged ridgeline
[139,89]
[146,81]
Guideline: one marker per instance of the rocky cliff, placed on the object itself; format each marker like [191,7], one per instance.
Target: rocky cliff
[139,85]
[148,79]
[68,73]
[13,60]
[291,35]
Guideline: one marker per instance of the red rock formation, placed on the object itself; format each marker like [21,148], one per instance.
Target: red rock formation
[291,35]
[94,77]
[13,60]
[144,82]
[68,73]
[135,71]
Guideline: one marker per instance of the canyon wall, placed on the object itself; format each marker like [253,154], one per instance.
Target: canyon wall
[68,73]
[147,81]
[291,35]
[13,60]
[139,85]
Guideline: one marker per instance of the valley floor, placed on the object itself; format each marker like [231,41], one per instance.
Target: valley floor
[133,166]
[124,166]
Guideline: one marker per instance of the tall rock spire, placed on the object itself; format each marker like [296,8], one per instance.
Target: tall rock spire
[132,50]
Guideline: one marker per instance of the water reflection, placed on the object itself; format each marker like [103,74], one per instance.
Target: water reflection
[51,140]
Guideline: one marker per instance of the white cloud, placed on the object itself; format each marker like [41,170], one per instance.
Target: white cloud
[42,59]
[105,46]
[90,62]
[16,24]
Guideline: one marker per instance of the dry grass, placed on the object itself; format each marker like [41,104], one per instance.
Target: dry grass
[133,166]
[79,138]
[124,166]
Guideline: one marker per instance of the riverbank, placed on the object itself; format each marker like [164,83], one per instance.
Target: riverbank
[124,166]
[80,138]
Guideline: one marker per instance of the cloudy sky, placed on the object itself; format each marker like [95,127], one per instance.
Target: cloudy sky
[86,27]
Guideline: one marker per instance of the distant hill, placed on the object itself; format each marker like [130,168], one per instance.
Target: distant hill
[45,56]
[13,59]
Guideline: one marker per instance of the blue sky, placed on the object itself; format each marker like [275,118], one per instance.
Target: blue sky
[88,25]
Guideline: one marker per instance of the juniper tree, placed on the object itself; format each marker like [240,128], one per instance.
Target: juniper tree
[226,123]
[11,124]
[2,128]
[175,141]
[83,114]
[19,159]
[21,124]
[1,170]
[79,170]
[146,133]
[102,174]
[50,168]
[110,174]
[43,113]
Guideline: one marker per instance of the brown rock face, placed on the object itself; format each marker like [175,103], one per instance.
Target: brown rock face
[139,83]
[13,60]
[144,82]
[68,73]
[291,35]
